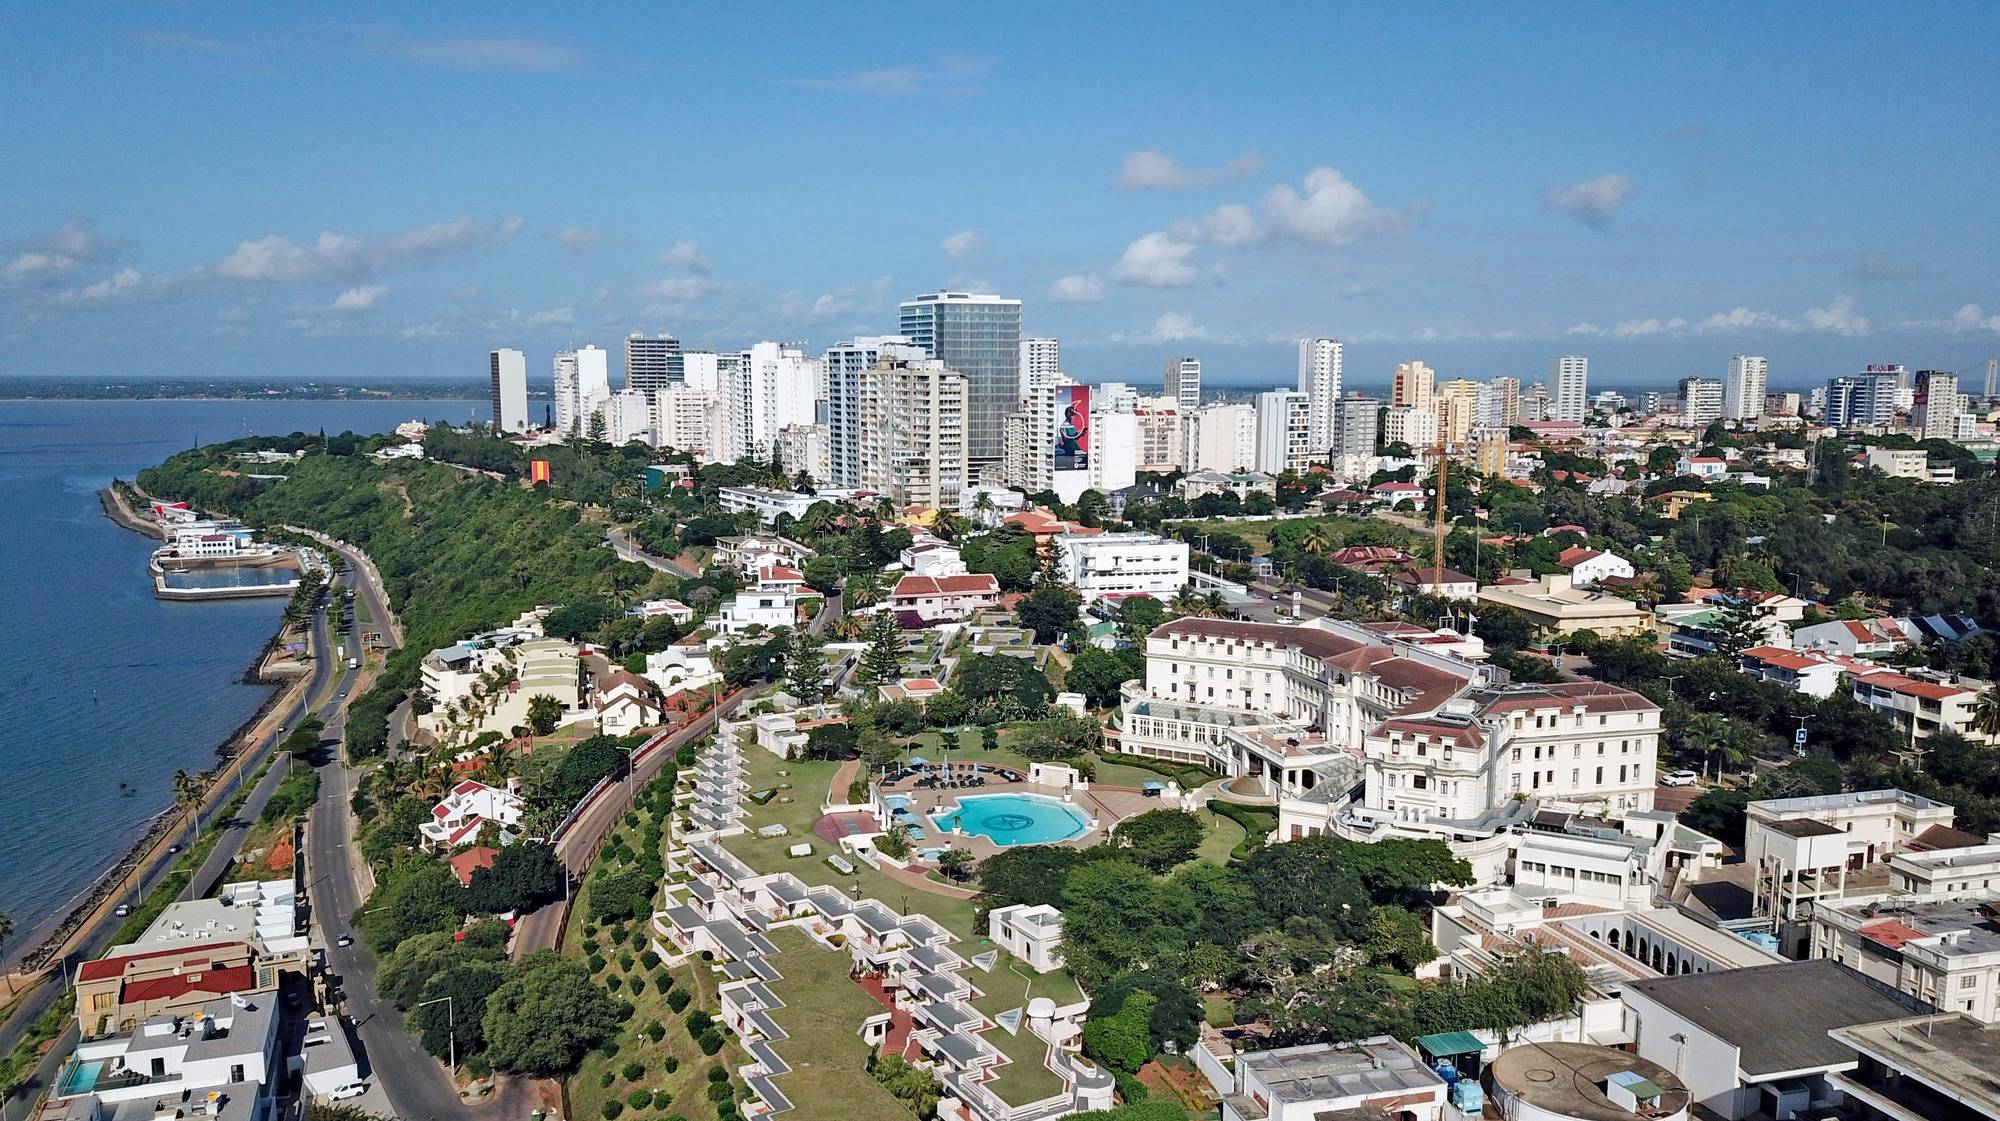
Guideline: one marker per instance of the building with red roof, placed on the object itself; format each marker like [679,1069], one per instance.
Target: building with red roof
[941,599]
[1924,703]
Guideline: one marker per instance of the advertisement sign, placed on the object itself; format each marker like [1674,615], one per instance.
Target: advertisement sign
[1072,428]
[538,471]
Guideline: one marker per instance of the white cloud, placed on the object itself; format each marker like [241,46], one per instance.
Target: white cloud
[553,317]
[127,286]
[679,288]
[1640,328]
[580,240]
[363,298]
[962,243]
[950,75]
[1156,260]
[1331,211]
[1838,316]
[345,257]
[1154,170]
[1171,326]
[1083,288]
[1744,319]
[1230,224]
[422,331]
[846,301]
[1972,318]
[684,255]
[1593,202]
[50,256]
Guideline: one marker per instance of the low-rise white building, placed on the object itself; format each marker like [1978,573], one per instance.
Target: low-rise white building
[765,502]
[1031,933]
[469,806]
[681,668]
[940,599]
[1123,564]
[1924,703]
[1588,566]
[223,1056]
[1815,673]
[754,607]
[625,703]
[1375,1076]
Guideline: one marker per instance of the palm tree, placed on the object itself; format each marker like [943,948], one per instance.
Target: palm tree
[1707,732]
[1187,601]
[1986,711]
[6,928]
[188,789]
[1316,540]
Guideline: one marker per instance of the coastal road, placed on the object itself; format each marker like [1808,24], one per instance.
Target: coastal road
[414,1084]
[629,550]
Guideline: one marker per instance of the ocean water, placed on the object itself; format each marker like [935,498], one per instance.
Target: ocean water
[105,691]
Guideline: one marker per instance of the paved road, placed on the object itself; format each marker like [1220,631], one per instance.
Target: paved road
[629,550]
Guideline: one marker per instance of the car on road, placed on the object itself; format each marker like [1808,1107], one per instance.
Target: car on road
[121,910]
[174,850]
[351,1090]
[346,939]
[1679,778]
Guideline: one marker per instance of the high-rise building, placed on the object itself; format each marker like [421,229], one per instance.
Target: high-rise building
[688,419]
[1457,407]
[1319,380]
[802,448]
[1410,426]
[1412,384]
[1500,403]
[1863,400]
[628,416]
[842,365]
[699,370]
[1159,434]
[1701,402]
[1041,362]
[1284,431]
[1030,432]
[980,337]
[1571,374]
[1938,404]
[652,363]
[1114,441]
[1536,404]
[1743,389]
[769,387]
[1219,437]
[1182,382]
[509,369]
[1359,430]
[914,431]
[1992,378]
[568,416]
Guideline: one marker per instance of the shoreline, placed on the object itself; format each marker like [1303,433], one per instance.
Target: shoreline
[54,931]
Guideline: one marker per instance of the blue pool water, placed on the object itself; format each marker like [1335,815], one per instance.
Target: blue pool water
[1015,819]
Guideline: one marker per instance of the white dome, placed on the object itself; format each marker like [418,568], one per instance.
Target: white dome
[1041,1008]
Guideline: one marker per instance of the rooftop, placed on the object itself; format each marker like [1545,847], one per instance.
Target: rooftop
[1853,800]
[1954,1055]
[1963,926]
[1777,1016]
[1568,1080]
[1320,1071]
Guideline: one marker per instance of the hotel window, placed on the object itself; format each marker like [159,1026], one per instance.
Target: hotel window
[1968,982]
[1576,778]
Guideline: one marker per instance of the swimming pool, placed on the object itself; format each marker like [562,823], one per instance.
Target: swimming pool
[1014,819]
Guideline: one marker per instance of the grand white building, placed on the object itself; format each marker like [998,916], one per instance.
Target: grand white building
[1319,380]
[1120,564]
[1743,388]
[1284,431]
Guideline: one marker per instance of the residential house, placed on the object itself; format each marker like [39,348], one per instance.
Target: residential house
[1390,494]
[1375,1077]
[756,608]
[1588,566]
[469,806]
[682,667]
[222,1061]
[1816,673]
[941,599]
[1372,559]
[1704,467]
[933,558]
[1447,582]
[1925,702]
[748,553]
[625,703]
[1031,933]
[780,578]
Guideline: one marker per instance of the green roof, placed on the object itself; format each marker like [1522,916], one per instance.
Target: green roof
[1448,1043]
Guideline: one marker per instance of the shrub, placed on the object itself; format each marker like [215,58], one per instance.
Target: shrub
[590,945]
[634,1071]
[699,1021]
[638,939]
[671,1064]
[607,1079]
[662,981]
[649,959]
[709,1041]
[718,1073]
[639,1099]
[678,999]
[656,1031]
[613,982]
[611,1110]
[720,1091]
[596,963]
[661,1098]
[625,962]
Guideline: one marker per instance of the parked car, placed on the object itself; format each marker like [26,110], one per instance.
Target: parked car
[351,1090]
[346,939]
[1679,778]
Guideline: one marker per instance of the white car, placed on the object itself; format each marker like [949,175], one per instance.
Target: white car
[351,1090]
[1679,778]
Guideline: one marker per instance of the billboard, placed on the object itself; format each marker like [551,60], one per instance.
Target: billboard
[538,471]
[1072,448]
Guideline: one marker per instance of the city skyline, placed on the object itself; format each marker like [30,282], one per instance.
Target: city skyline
[1656,227]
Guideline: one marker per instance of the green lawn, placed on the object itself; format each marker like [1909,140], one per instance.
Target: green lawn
[1217,1010]
[1011,985]
[1221,837]
[822,1015]
[966,748]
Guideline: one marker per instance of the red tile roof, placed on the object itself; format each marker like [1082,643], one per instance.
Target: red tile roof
[1592,696]
[1577,554]
[219,982]
[1433,577]
[978,583]
[115,966]
[1890,933]
[1913,687]
[1944,837]
[471,860]
[779,574]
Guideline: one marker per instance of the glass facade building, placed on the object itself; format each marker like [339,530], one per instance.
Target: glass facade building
[980,338]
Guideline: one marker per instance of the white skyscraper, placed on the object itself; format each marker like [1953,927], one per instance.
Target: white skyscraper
[1701,401]
[1284,431]
[1319,380]
[593,383]
[770,388]
[843,364]
[1937,415]
[1743,389]
[567,414]
[1182,382]
[1041,361]
[509,370]
[698,370]
[1571,375]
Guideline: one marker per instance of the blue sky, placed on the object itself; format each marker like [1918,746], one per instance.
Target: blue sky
[382,191]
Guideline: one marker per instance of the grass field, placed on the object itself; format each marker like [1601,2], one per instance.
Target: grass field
[1222,835]
[822,1015]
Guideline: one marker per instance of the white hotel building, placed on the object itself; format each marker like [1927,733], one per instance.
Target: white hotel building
[1361,732]
[1123,564]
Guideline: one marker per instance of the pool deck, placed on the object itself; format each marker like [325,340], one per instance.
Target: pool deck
[1107,805]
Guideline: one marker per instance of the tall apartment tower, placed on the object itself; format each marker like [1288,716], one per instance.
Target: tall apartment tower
[1359,429]
[844,364]
[1041,362]
[1937,412]
[1743,389]
[1702,401]
[1571,375]
[1413,384]
[1319,380]
[913,431]
[565,392]
[510,390]
[1284,429]
[652,362]
[1863,400]
[1182,382]
[980,337]
[1500,403]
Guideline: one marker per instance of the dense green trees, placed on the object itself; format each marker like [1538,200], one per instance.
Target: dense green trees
[1159,839]
[546,1015]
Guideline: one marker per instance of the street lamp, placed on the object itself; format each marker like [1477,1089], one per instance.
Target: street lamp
[1670,684]
[450,1029]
